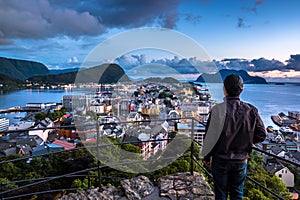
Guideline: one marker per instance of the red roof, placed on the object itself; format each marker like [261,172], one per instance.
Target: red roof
[93,140]
[67,115]
[65,144]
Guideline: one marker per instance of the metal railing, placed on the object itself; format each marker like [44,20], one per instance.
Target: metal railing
[37,181]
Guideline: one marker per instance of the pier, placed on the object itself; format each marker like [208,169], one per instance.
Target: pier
[19,109]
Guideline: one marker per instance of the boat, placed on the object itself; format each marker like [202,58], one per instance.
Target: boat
[270,129]
[286,130]
[18,117]
[277,120]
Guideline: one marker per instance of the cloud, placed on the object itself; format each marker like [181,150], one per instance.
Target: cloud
[263,64]
[255,65]
[4,41]
[240,22]
[294,62]
[33,19]
[40,19]
[73,60]
[181,65]
[129,61]
[291,74]
[255,6]
[195,19]
[259,2]
[168,20]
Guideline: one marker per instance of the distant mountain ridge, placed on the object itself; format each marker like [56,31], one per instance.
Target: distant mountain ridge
[16,70]
[21,69]
[62,71]
[223,73]
[35,71]
[161,80]
[105,73]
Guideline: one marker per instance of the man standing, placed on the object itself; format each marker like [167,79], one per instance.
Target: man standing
[232,129]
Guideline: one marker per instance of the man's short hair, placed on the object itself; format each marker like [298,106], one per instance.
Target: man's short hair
[233,84]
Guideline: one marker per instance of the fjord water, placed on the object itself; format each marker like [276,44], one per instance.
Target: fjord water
[270,99]
[21,97]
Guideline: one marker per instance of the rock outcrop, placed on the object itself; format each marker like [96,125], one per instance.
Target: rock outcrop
[181,186]
[109,193]
[138,187]
[184,186]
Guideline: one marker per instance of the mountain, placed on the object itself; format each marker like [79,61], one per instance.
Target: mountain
[221,75]
[21,69]
[5,79]
[160,80]
[8,83]
[106,73]
[62,71]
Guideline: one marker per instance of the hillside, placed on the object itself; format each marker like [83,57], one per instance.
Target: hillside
[21,69]
[106,73]
[221,75]
[5,78]
[8,83]
[62,71]
[161,80]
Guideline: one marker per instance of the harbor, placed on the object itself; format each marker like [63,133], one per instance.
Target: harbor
[292,120]
[16,109]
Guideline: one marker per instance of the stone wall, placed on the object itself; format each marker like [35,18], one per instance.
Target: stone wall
[181,186]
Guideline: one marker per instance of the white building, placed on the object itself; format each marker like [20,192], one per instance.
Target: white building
[203,110]
[145,145]
[99,108]
[134,116]
[41,132]
[38,106]
[283,173]
[186,129]
[75,102]
[22,125]
[4,123]
[286,175]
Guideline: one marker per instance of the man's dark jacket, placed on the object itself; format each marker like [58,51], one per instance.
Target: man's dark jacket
[236,126]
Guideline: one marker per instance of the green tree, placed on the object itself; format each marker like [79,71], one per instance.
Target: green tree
[131,148]
[258,173]
[6,184]
[255,194]
[276,184]
[77,183]
[40,116]
[163,95]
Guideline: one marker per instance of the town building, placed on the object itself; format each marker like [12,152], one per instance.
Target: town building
[4,123]
[41,130]
[283,173]
[21,125]
[75,102]
[198,129]
[35,106]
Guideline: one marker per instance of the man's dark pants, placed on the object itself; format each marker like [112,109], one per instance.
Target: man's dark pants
[229,179]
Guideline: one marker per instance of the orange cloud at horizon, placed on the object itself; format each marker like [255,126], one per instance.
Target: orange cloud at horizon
[277,74]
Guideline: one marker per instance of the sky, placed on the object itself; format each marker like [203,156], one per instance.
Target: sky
[62,33]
